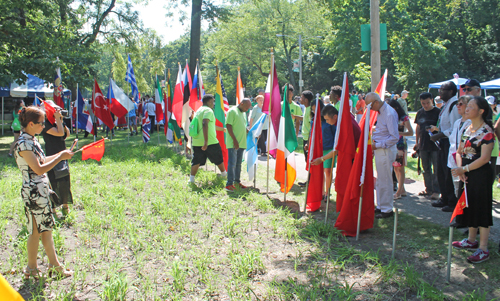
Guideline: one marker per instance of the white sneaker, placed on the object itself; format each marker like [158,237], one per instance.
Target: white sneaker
[498,185]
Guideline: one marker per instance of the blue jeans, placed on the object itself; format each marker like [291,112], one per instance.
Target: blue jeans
[234,158]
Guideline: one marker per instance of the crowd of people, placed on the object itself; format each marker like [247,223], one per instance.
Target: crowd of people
[456,143]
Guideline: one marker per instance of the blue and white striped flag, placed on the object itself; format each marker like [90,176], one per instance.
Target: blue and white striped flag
[130,77]
[251,151]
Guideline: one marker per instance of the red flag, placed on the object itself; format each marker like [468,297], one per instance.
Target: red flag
[344,144]
[195,97]
[177,102]
[239,89]
[93,151]
[101,106]
[380,90]
[49,112]
[361,174]
[316,175]
[461,204]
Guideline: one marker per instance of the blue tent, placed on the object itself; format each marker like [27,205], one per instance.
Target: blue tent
[458,81]
[492,84]
[33,86]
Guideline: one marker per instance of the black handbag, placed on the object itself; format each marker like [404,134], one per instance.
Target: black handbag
[61,169]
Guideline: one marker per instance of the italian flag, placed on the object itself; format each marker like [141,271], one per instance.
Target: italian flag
[287,143]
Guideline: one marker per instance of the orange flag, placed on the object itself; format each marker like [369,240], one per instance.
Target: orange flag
[93,151]
[239,88]
[461,204]
[7,292]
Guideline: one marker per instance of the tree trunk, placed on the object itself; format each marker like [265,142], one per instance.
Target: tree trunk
[194,48]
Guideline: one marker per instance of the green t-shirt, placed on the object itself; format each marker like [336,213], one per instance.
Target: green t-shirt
[306,124]
[237,119]
[494,152]
[294,109]
[205,112]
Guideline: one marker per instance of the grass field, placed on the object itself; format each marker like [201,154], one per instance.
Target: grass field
[138,231]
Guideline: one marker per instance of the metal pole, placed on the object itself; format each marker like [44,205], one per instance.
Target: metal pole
[255,175]
[300,64]
[328,190]
[375,42]
[2,114]
[359,211]
[285,180]
[450,240]
[307,190]
[395,232]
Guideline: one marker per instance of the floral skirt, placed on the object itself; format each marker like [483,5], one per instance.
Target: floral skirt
[37,206]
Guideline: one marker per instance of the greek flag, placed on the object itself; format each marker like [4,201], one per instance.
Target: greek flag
[130,77]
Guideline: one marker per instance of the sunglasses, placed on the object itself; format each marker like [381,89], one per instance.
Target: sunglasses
[469,89]
[42,123]
[460,104]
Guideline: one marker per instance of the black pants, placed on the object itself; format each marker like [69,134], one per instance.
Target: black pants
[305,148]
[445,179]
[152,119]
[261,143]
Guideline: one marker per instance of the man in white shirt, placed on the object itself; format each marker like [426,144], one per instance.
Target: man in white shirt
[447,118]
[385,136]
[151,107]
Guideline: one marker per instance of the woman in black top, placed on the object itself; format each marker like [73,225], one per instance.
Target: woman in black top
[54,136]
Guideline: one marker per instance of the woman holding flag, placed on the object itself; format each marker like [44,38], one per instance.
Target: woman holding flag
[473,157]
[35,191]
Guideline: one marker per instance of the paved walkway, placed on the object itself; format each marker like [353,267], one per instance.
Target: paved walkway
[413,203]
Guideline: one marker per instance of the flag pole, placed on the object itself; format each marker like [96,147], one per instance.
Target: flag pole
[286,163]
[395,232]
[450,240]
[94,123]
[76,121]
[329,188]
[255,175]
[359,211]
[269,124]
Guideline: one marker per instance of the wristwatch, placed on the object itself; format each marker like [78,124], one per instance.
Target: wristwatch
[322,159]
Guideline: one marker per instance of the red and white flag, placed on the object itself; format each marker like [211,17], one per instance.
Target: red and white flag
[120,104]
[101,106]
[239,89]
[178,98]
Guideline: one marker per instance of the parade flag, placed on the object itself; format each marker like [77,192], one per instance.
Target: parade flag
[461,204]
[186,109]
[380,90]
[239,89]
[224,95]
[37,102]
[83,115]
[201,87]
[172,130]
[195,97]
[287,143]
[344,144]
[130,78]
[361,176]
[158,101]
[252,152]
[220,116]
[49,112]
[178,97]
[316,172]
[58,89]
[146,127]
[93,150]
[272,103]
[119,102]
[101,106]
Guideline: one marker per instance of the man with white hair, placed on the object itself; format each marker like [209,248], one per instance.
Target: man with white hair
[385,136]
[402,101]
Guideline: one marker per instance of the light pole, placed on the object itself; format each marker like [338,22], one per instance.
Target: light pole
[301,82]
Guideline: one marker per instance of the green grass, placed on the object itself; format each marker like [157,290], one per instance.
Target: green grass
[139,231]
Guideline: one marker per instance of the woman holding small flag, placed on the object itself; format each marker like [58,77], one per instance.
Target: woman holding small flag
[473,157]
[35,191]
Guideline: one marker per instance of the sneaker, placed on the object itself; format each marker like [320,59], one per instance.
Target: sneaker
[384,214]
[498,185]
[242,186]
[465,244]
[230,188]
[479,256]
[302,184]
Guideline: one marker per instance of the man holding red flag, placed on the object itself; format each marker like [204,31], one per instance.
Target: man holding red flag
[315,179]
[385,137]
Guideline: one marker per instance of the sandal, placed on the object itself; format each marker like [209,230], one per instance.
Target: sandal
[397,196]
[31,272]
[65,211]
[424,193]
[58,272]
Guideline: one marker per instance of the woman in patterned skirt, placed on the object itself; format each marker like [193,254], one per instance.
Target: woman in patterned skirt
[35,190]
[473,157]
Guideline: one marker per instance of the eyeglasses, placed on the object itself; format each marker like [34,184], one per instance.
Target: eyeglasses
[469,89]
[460,104]
[42,123]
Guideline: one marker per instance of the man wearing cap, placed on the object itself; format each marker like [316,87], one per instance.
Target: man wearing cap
[471,87]
[402,101]
[447,118]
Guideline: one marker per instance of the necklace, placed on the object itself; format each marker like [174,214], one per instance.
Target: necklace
[473,131]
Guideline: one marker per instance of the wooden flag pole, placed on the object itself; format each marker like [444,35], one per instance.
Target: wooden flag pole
[359,210]
[328,190]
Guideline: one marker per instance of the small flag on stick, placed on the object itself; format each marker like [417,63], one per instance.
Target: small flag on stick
[93,151]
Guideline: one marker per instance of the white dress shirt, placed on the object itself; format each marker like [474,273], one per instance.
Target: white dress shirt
[386,132]
[446,118]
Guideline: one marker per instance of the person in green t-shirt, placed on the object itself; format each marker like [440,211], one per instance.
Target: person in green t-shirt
[205,144]
[295,109]
[236,142]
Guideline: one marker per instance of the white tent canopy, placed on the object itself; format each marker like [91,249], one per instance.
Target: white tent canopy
[492,84]
[33,86]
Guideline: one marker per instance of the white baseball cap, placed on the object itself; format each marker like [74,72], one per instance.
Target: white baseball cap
[490,99]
